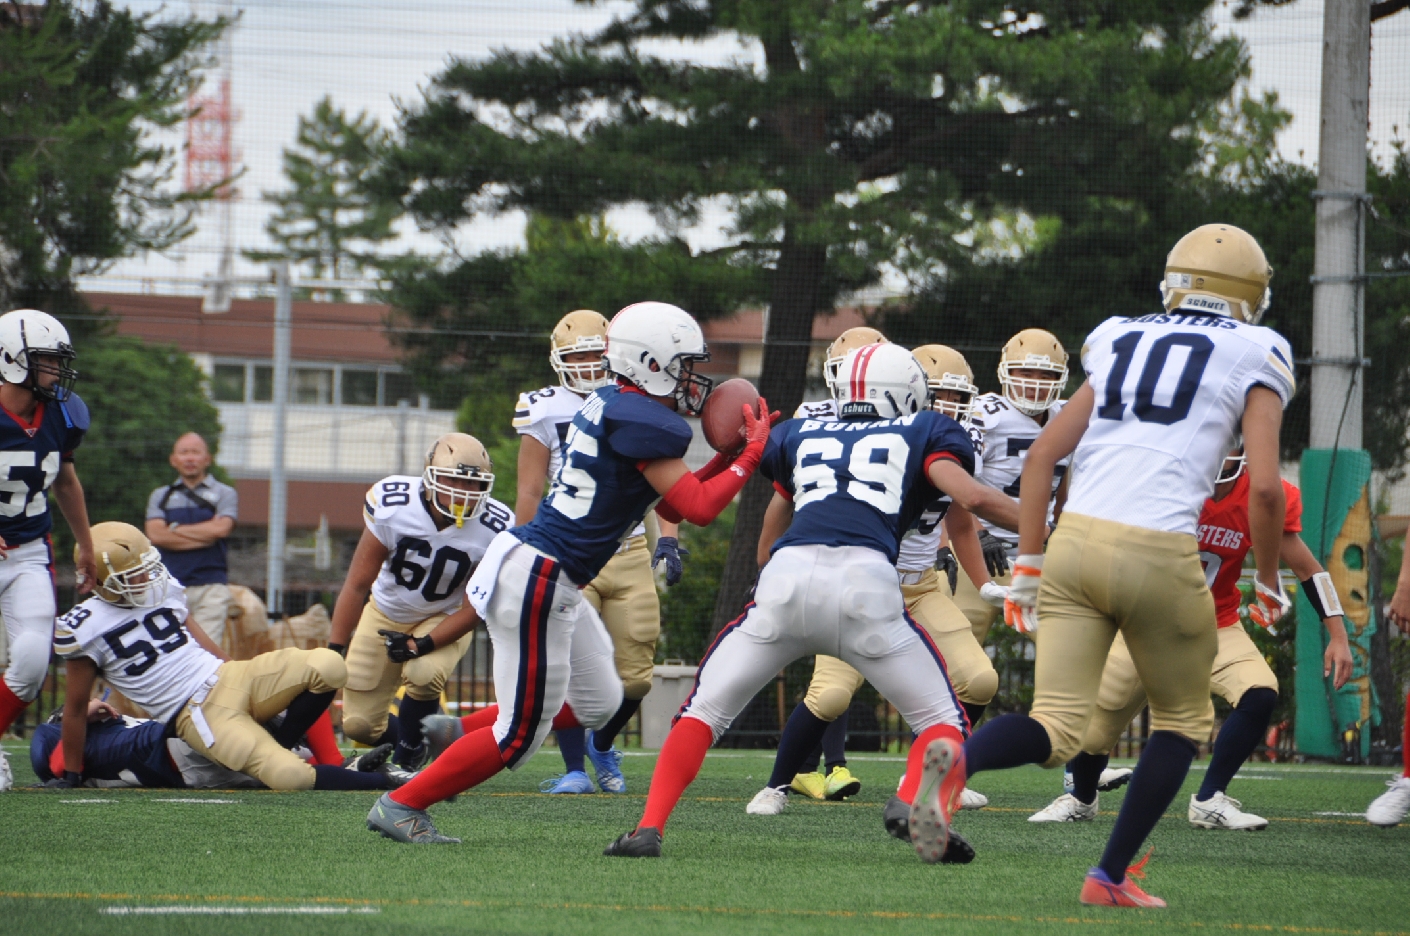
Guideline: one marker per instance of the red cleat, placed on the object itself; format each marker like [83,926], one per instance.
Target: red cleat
[1098,891]
[941,783]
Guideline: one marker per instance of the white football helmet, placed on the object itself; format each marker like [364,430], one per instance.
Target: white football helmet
[460,456]
[582,330]
[27,334]
[1033,349]
[130,570]
[654,346]
[1232,466]
[880,381]
[856,337]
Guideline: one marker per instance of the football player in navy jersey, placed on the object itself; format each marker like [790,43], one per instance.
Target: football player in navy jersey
[623,453]
[852,486]
[42,423]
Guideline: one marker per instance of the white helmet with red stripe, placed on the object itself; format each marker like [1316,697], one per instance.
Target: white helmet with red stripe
[880,381]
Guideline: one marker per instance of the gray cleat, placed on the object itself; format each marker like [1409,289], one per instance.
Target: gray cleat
[440,732]
[404,824]
[897,816]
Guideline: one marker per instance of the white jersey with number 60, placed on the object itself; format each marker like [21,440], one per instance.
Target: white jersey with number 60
[1170,391]
[426,571]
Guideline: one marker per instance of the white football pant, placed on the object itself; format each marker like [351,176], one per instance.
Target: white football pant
[27,605]
[842,601]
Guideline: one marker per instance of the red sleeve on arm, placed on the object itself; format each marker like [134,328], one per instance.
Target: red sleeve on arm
[783,492]
[934,457]
[664,511]
[1292,519]
[701,501]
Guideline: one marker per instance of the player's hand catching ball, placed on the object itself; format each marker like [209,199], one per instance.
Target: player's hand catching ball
[1269,604]
[1021,605]
[756,427]
[669,551]
[402,648]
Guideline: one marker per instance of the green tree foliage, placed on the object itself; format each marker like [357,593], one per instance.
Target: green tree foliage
[326,218]
[82,85]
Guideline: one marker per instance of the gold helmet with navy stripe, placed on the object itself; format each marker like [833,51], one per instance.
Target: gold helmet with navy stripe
[1218,269]
[458,468]
[130,570]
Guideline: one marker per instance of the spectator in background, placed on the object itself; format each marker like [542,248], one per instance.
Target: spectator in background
[188,520]
[1392,806]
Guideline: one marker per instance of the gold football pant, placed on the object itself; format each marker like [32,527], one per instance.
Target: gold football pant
[248,693]
[373,678]
[1100,577]
[624,594]
[980,613]
[1238,667]
[971,673]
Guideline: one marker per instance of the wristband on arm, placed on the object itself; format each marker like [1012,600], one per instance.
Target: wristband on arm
[700,501]
[1322,595]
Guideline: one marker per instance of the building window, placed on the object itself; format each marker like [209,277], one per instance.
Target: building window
[228,383]
[359,387]
[264,384]
[396,387]
[312,386]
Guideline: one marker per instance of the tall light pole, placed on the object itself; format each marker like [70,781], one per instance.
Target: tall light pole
[278,489]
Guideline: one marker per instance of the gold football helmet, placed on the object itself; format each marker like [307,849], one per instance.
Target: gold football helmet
[459,458]
[130,570]
[858,337]
[583,330]
[946,369]
[1220,270]
[1033,349]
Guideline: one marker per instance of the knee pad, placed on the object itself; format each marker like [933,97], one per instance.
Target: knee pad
[424,679]
[29,664]
[830,704]
[364,730]
[1258,703]
[288,773]
[980,688]
[635,689]
[330,669]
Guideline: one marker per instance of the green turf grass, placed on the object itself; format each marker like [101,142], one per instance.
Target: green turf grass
[532,863]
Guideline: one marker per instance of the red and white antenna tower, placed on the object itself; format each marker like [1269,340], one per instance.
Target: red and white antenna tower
[212,160]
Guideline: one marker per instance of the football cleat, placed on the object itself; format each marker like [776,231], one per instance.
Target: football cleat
[608,765]
[1112,778]
[7,776]
[574,781]
[897,817]
[1386,810]
[403,824]
[841,784]
[638,843]
[411,758]
[770,801]
[395,776]
[1066,808]
[1099,891]
[440,732]
[812,785]
[1223,812]
[973,799]
[941,783]
[369,760]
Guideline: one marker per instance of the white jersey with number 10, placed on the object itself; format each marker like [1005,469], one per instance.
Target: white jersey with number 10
[1170,391]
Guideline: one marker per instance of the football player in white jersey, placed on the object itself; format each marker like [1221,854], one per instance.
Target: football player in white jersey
[1166,395]
[135,633]
[624,594]
[1032,376]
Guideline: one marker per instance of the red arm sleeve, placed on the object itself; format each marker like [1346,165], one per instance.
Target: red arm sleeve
[700,501]
[1292,521]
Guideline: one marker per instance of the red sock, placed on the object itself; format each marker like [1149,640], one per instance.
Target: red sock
[483,718]
[10,707]
[56,759]
[565,719]
[676,768]
[468,762]
[1405,742]
[323,744]
[916,759]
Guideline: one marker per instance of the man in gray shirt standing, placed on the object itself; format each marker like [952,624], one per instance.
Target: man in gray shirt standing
[188,520]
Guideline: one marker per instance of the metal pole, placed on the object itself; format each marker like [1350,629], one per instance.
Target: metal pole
[403,417]
[1338,288]
[278,489]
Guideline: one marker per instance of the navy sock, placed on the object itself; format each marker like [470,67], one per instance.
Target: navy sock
[803,732]
[834,744]
[603,737]
[1159,773]
[572,744]
[813,761]
[974,711]
[300,716]
[409,715]
[390,734]
[329,777]
[1086,772]
[1242,731]
[1008,741]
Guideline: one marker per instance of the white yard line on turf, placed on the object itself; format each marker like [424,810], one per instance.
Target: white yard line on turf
[233,911]
[85,802]
[199,802]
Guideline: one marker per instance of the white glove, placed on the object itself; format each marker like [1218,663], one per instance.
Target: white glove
[1021,606]
[994,593]
[1269,605]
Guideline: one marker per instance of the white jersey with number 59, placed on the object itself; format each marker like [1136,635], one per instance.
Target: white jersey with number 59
[1170,391]
[426,571]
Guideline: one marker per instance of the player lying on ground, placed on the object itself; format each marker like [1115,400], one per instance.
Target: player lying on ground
[1164,398]
[424,536]
[134,633]
[121,751]
[971,673]
[852,486]
[1240,675]
[42,423]
[624,592]
[623,454]
[1391,807]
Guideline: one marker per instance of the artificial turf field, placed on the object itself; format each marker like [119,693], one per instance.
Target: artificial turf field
[89,861]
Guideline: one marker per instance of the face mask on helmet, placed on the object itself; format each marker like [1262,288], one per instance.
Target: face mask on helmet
[581,376]
[692,389]
[456,484]
[1029,394]
[960,410]
[1232,467]
[145,585]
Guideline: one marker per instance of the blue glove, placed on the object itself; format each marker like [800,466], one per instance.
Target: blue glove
[668,550]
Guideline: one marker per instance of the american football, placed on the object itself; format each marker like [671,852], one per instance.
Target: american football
[722,420]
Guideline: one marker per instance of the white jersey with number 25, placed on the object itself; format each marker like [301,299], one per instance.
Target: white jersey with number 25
[1170,391]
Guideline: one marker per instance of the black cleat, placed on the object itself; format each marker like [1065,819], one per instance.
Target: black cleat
[958,851]
[897,816]
[638,843]
[370,760]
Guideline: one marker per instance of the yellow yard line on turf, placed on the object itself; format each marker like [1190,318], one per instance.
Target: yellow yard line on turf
[1119,920]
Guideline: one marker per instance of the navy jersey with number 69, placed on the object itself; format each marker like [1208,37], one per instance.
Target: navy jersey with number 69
[860,482]
[30,455]
[600,494]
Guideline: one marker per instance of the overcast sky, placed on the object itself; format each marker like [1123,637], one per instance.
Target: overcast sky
[368,54]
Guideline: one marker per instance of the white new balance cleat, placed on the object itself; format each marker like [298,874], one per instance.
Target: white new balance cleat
[767,802]
[1388,808]
[1066,808]
[973,799]
[1223,812]
[7,776]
